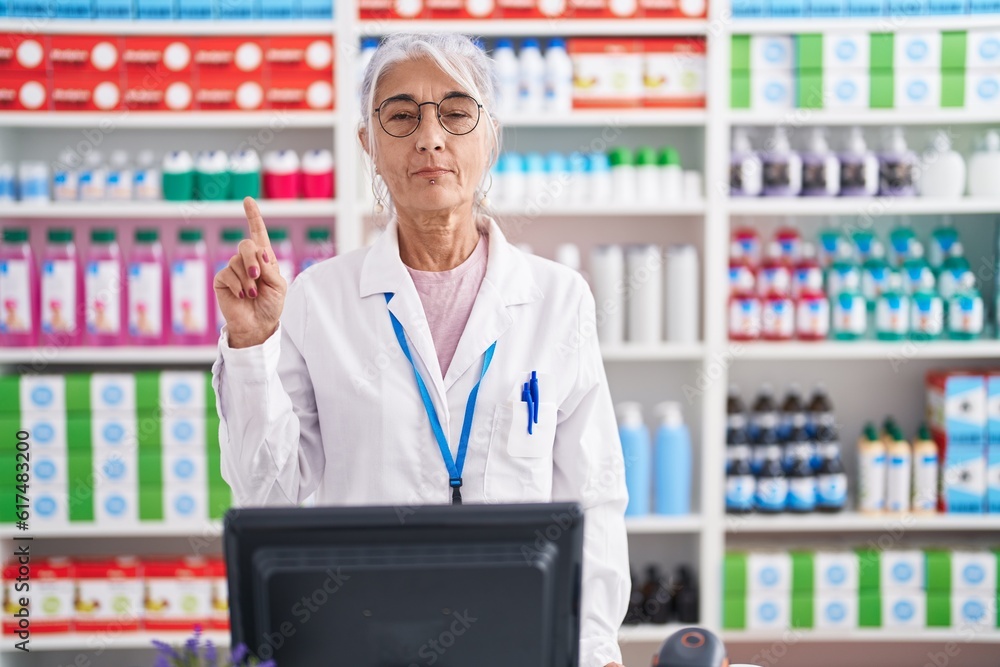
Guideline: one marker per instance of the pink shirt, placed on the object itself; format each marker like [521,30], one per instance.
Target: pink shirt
[448,297]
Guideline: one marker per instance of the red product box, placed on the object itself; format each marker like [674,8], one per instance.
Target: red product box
[302,92]
[392,9]
[299,54]
[462,9]
[157,57]
[23,53]
[48,586]
[109,595]
[602,9]
[73,92]
[673,9]
[85,54]
[607,73]
[24,91]
[220,594]
[178,593]
[229,93]
[674,72]
[227,56]
[528,9]
[169,93]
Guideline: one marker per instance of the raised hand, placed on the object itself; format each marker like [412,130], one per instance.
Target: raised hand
[250,289]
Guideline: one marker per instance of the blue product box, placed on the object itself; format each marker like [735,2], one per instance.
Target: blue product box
[156,10]
[747,9]
[112,9]
[235,9]
[33,8]
[194,9]
[993,443]
[4,8]
[947,7]
[73,9]
[787,8]
[317,9]
[280,9]
[984,6]
[826,8]
[866,7]
[907,7]
[964,479]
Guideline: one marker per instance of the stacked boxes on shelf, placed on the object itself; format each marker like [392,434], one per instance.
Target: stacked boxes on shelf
[865,588]
[531,9]
[834,8]
[925,69]
[169,9]
[116,449]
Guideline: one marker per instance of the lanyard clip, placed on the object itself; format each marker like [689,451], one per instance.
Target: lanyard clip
[456,490]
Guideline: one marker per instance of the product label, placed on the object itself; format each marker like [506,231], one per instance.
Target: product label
[927,314]
[850,315]
[874,281]
[59,296]
[813,318]
[740,492]
[145,299]
[871,477]
[103,288]
[778,318]
[892,315]
[966,315]
[108,599]
[898,494]
[15,295]
[895,175]
[777,175]
[925,482]
[178,599]
[188,296]
[801,493]
[772,493]
[744,318]
[831,490]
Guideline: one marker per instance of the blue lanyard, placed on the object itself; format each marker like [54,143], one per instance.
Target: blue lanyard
[454,467]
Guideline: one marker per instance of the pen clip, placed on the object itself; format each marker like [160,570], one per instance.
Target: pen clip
[533,388]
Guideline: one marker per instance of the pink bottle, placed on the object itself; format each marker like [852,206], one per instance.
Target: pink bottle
[62,311]
[147,291]
[744,308]
[317,174]
[283,253]
[229,243]
[812,310]
[775,275]
[807,271]
[191,317]
[104,290]
[18,290]
[282,177]
[777,317]
[318,247]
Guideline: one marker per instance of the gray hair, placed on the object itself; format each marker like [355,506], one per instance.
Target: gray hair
[459,57]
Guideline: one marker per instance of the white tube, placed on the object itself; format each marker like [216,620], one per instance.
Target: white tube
[607,271]
[644,285]
[681,303]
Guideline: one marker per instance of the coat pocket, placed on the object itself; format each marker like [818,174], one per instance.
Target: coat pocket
[519,464]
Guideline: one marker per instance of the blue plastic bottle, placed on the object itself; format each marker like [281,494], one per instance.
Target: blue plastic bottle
[638,454]
[672,461]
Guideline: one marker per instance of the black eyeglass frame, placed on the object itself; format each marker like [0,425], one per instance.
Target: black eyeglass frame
[420,115]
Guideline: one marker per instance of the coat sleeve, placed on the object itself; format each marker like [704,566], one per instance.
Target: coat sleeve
[272,451]
[589,469]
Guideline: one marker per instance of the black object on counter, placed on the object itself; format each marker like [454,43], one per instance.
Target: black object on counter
[691,647]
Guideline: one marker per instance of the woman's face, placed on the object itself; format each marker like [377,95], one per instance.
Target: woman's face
[431,169]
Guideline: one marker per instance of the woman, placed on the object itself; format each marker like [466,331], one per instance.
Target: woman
[317,385]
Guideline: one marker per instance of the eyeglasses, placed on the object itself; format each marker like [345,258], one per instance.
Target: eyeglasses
[400,116]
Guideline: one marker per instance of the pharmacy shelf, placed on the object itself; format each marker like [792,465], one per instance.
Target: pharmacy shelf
[556,27]
[662,352]
[664,525]
[772,26]
[83,643]
[170,27]
[647,633]
[101,356]
[611,118]
[792,118]
[270,208]
[862,350]
[116,120]
[840,637]
[860,523]
[90,530]
[549,208]
[866,206]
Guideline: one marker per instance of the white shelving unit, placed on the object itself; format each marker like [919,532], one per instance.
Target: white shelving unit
[304,208]
[710,364]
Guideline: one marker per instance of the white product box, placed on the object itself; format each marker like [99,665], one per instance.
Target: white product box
[50,594]
[974,572]
[904,609]
[48,468]
[187,502]
[176,598]
[771,52]
[181,390]
[836,611]
[836,571]
[772,90]
[915,89]
[768,611]
[184,432]
[48,431]
[49,505]
[117,468]
[982,89]
[982,48]
[112,391]
[846,50]
[846,89]
[769,572]
[917,49]
[43,393]
[184,466]
[903,570]
[114,430]
[969,610]
[113,505]
[109,599]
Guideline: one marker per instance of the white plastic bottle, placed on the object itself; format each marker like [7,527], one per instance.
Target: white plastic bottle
[532,80]
[509,77]
[671,175]
[33,178]
[601,186]
[746,171]
[820,167]
[984,168]
[93,178]
[66,177]
[944,175]
[120,179]
[858,167]
[511,181]
[558,77]
[682,294]
[782,166]
[147,185]
[607,272]
[7,180]
[644,271]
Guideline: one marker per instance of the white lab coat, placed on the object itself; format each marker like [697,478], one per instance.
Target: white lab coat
[329,404]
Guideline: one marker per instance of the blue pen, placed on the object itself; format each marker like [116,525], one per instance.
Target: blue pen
[526,397]
[534,394]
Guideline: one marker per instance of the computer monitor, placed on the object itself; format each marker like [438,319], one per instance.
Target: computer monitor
[442,585]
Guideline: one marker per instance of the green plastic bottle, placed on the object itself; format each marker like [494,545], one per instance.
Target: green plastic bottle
[875,274]
[892,311]
[901,240]
[863,241]
[916,271]
[841,269]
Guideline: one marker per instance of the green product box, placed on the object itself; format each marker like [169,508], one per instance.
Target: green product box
[803,605]
[869,571]
[740,53]
[734,577]
[882,91]
[809,93]
[150,503]
[219,500]
[938,569]
[10,395]
[938,609]
[147,390]
[882,45]
[734,612]
[739,90]
[953,50]
[809,51]
[77,393]
[869,609]
[952,88]
[803,573]
[79,437]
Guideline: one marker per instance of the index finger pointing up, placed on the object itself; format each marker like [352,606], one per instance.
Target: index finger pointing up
[258,232]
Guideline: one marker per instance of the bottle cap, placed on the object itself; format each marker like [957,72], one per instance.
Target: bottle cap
[244,162]
[620,156]
[212,162]
[967,281]
[118,159]
[510,161]
[534,162]
[669,157]
[923,432]
[102,236]
[317,161]
[232,235]
[598,162]
[529,43]
[779,141]
[147,235]
[178,162]
[555,162]
[577,162]
[15,235]
[146,158]
[505,43]
[896,141]
[644,155]
[69,159]
[318,234]
[281,162]
[190,235]
[670,414]
[93,159]
[856,141]
[817,141]
[941,143]
[556,42]
[741,141]
[369,43]
[278,234]
[60,235]
[630,415]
